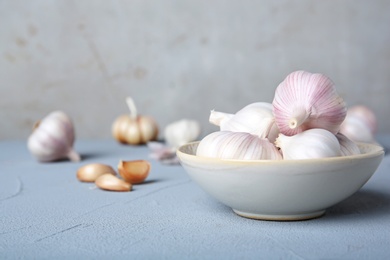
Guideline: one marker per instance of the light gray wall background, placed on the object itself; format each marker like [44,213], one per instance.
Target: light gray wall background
[180,59]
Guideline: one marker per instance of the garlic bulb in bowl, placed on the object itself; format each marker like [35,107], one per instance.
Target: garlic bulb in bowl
[53,138]
[304,101]
[238,146]
[310,144]
[256,118]
[347,146]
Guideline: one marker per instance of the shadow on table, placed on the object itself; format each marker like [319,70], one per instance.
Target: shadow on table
[92,155]
[364,203]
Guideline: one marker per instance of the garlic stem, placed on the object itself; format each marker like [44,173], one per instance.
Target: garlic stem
[299,117]
[132,107]
[217,117]
[73,156]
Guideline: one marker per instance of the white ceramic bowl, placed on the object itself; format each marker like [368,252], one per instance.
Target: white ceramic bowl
[281,189]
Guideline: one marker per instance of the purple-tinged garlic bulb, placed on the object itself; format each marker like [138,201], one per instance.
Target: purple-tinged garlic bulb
[309,144]
[53,138]
[347,146]
[304,101]
[238,146]
[360,124]
[256,118]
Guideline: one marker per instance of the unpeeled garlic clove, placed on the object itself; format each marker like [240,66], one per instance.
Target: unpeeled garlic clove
[347,146]
[312,143]
[237,145]
[53,138]
[90,172]
[111,182]
[256,118]
[134,171]
[305,101]
[181,132]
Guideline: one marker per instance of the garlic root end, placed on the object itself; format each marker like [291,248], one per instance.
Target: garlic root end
[298,118]
[73,156]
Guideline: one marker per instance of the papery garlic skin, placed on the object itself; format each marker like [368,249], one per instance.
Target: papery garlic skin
[347,146]
[181,132]
[53,138]
[238,146]
[256,118]
[310,144]
[305,101]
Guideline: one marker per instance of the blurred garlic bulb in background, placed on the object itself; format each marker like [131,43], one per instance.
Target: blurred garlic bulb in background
[347,146]
[256,118]
[53,138]
[304,101]
[360,124]
[237,145]
[176,134]
[312,143]
[181,132]
[133,128]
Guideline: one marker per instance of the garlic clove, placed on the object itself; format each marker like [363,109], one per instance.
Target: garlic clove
[237,145]
[120,127]
[305,101]
[148,129]
[112,183]
[134,171]
[181,132]
[256,118]
[90,172]
[347,146]
[312,143]
[52,138]
[217,118]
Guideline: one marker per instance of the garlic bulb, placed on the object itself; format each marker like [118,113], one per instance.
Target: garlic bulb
[360,124]
[53,138]
[237,145]
[256,118]
[347,146]
[304,101]
[181,132]
[312,143]
[366,115]
[134,129]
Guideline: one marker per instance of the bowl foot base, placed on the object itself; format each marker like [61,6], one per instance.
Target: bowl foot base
[290,217]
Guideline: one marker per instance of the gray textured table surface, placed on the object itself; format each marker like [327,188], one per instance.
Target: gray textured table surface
[46,213]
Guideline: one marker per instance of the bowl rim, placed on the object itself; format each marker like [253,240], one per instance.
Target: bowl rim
[374,151]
